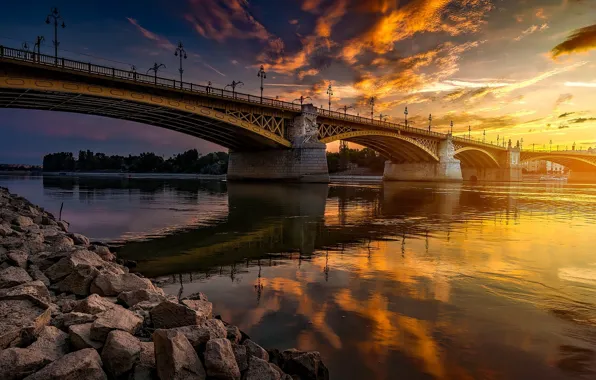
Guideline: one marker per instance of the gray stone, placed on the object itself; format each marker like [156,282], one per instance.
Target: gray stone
[104,252]
[233,334]
[61,243]
[255,350]
[80,337]
[79,239]
[175,358]
[120,352]
[109,284]
[16,363]
[22,221]
[67,264]
[5,230]
[13,276]
[38,275]
[220,362]
[94,304]
[198,296]
[168,315]
[34,291]
[83,364]
[50,232]
[241,356]
[133,297]
[63,225]
[203,308]
[66,305]
[18,258]
[145,368]
[114,319]
[78,281]
[259,369]
[64,321]
[201,333]
[305,365]
[21,321]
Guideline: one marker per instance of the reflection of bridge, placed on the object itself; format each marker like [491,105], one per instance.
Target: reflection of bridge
[269,139]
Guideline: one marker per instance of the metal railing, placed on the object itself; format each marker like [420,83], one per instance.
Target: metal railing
[133,76]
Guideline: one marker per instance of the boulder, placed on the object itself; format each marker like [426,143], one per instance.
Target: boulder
[63,225]
[16,363]
[114,319]
[175,358]
[109,284]
[38,275]
[255,350]
[201,333]
[80,337]
[241,356]
[34,291]
[94,304]
[169,315]
[305,365]
[78,281]
[198,296]
[21,320]
[64,321]
[145,368]
[133,297]
[83,364]
[13,276]
[103,252]
[220,362]
[22,221]
[204,308]
[50,232]
[5,230]
[120,352]
[18,258]
[66,265]
[60,243]
[79,239]
[259,369]
[233,334]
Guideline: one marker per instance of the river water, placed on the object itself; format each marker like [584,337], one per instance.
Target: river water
[393,281]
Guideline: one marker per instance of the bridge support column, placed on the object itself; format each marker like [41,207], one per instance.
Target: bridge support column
[448,168]
[510,170]
[306,161]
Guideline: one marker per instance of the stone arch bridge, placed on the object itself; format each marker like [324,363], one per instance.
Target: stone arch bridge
[268,139]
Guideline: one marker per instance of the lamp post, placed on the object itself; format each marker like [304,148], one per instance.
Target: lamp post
[345,109]
[182,53]
[155,69]
[262,74]
[330,93]
[430,119]
[521,146]
[37,45]
[301,99]
[451,127]
[406,116]
[469,132]
[497,140]
[25,47]
[55,15]
[234,84]
[551,145]
[382,117]
[483,136]
[208,87]
[372,106]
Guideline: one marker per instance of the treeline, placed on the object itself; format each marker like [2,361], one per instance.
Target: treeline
[364,158]
[190,161]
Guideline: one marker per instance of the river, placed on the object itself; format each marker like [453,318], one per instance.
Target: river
[393,281]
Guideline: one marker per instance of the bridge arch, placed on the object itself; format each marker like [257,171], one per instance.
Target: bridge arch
[394,146]
[471,156]
[575,163]
[228,129]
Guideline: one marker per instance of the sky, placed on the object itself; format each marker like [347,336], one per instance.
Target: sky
[508,68]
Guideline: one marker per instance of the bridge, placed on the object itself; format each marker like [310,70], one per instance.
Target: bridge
[268,139]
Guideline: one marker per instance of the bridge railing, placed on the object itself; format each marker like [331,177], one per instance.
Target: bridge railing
[133,76]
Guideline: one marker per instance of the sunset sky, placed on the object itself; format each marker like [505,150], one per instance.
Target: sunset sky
[515,68]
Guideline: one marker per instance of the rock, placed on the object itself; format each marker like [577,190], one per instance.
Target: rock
[204,308]
[120,352]
[83,364]
[220,362]
[113,284]
[5,230]
[233,334]
[175,358]
[255,350]
[80,337]
[114,319]
[63,225]
[18,258]
[61,243]
[133,297]
[305,365]
[38,275]
[198,296]
[277,369]
[21,321]
[145,368]
[64,321]
[78,281]
[50,232]
[169,315]
[259,369]
[16,363]
[13,276]
[94,304]
[103,252]
[34,291]
[79,239]
[66,265]
[66,305]
[199,334]
[241,356]
[22,221]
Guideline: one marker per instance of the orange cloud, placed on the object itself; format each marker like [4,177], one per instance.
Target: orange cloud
[581,40]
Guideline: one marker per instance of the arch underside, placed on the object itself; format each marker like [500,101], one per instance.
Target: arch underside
[396,150]
[578,164]
[471,157]
[209,128]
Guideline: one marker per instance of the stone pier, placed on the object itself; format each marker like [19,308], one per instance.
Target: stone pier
[509,171]
[448,168]
[306,161]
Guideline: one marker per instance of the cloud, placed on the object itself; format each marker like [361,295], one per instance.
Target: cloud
[582,120]
[581,40]
[162,42]
[563,99]
[540,14]
[565,114]
[531,30]
[580,84]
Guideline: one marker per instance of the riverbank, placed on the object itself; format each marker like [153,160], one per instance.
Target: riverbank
[70,309]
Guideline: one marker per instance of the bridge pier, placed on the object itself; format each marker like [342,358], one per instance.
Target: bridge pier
[509,171]
[448,169]
[306,161]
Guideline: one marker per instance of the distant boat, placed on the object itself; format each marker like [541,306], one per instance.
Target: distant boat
[551,178]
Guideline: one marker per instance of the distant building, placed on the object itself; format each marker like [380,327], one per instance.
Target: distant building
[542,166]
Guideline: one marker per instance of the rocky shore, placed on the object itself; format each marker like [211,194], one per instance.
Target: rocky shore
[70,311]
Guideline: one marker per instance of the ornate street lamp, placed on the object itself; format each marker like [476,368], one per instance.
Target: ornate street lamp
[330,93]
[38,42]
[483,136]
[301,99]
[345,109]
[406,115]
[430,119]
[55,15]
[155,69]
[182,53]
[372,106]
[262,74]
[451,127]
[234,84]
[382,117]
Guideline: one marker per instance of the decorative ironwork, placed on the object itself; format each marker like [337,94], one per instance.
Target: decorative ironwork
[328,130]
[273,124]
[430,144]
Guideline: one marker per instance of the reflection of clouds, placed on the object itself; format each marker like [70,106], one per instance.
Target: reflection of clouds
[583,275]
